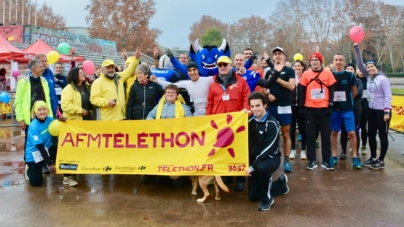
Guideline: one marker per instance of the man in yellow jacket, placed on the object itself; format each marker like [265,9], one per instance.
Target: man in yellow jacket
[107,92]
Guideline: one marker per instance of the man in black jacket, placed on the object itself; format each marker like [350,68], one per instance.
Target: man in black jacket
[264,155]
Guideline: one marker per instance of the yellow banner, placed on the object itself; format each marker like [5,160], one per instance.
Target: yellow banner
[206,145]
[397,109]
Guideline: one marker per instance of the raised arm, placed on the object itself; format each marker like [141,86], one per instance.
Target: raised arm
[359,60]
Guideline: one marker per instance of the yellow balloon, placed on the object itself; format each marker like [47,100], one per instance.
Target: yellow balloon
[54,128]
[53,57]
[298,57]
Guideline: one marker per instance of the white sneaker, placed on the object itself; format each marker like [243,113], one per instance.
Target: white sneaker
[292,154]
[26,172]
[69,181]
[303,155]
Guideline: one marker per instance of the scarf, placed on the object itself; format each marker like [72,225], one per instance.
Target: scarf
[144,83]
[226,78]
[179,110]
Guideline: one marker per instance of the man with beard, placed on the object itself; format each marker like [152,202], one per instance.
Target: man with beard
[107,92]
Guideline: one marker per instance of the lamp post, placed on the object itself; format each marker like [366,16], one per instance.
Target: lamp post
[35,11]
[16,11]
[22,15]
[4,10]
[29,13]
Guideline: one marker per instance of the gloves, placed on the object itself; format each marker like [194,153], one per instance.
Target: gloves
[302,111]
[169,54]
[261,83]
[328,111]
[253,57]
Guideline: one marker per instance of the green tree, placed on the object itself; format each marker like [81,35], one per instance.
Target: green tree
[212,37]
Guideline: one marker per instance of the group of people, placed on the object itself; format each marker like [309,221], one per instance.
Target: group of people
[279,97]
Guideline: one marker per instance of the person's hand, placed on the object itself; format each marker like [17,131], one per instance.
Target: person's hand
[84,112]
[355,44]
[271,98]
[62,119]
[242,70]
[169,54]
[155,52]
[153,78]
[316,48]
[124,55]
[248,172]
[386,117]
[253,57]
[112,102]
[279,66]
[245,110]
[138,53]
[22,125]
[328,111]
[55,78]
[265,55]
[52,169]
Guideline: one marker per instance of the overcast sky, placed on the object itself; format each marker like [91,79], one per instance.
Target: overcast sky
[175,17]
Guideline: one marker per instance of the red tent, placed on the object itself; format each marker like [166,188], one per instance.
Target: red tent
[40,47]
[9,52]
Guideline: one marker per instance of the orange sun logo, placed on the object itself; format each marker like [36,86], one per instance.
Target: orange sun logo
[225,137]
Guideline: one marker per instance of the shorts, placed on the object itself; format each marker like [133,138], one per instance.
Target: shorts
[283,118]
[346,116]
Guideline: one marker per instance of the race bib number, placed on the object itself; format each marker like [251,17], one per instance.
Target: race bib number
[37,156]
[226,97]
[339,96]
[316,93]
[284,109]
[365,94]
[58,90]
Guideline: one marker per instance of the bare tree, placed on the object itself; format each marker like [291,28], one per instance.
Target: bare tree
[124,21]
[206,22]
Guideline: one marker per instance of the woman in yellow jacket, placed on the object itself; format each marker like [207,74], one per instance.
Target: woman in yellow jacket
[76,97]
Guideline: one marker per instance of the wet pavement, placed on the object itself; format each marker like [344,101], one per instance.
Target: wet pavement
[344,197]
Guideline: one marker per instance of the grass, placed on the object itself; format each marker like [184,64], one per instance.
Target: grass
[397,90]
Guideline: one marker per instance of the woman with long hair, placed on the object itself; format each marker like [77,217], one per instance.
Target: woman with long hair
[379,113]
[299,68]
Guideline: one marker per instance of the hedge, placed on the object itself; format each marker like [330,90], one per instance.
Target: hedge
[395,74]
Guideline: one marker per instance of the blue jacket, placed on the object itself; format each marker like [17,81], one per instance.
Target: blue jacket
[48,75]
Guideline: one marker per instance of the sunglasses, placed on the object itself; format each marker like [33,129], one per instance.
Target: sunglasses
[222,65]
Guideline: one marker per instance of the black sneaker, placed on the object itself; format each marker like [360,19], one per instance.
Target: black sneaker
[343,155]
[377,165]
[312,165]
[369,162]
[267,205]
[327,166]
[240,186]
[284,184]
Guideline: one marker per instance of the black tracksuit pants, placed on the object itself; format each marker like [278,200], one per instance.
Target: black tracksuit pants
[376,124]
[260,185]
[299,119]
[318,119]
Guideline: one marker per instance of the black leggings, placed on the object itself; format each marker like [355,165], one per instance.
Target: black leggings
[376,124]
[260,185]
[344,133]
[302,128]
[364,122]
[35,173]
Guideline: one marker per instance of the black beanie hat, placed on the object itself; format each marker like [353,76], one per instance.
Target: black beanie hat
[192,65]
[371,62]
[352,65]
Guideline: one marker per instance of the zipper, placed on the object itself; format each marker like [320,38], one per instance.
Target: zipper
[144,99]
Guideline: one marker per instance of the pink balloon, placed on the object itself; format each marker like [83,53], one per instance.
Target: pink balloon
[356,34]
[88,67]
[16,73]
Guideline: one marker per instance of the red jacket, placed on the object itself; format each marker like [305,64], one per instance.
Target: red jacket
[238,92]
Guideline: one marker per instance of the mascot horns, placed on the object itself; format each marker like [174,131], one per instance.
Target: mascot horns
[223,45]
[197,46]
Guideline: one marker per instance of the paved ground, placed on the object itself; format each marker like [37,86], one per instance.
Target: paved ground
[344,197]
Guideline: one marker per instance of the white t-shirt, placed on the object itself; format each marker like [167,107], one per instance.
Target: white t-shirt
[198,91]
